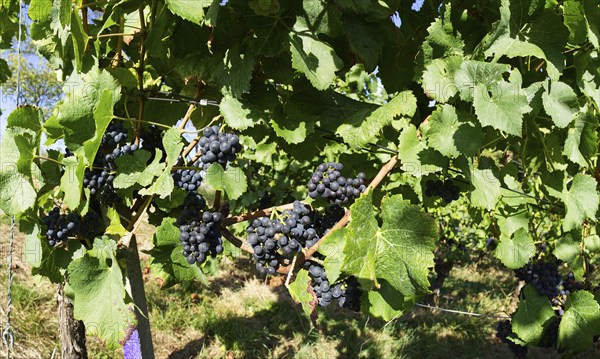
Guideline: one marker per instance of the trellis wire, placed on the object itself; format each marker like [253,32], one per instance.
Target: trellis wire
[8,337]
[462,312]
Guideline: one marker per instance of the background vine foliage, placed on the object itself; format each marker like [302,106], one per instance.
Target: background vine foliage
[197,113]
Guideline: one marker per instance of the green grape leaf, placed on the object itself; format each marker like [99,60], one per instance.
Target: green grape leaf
[191,10]
[103,114]
[442,41]
[575,21]
[511,220]
[386,303]
[164,184]
[487,190]
[471,73]
[516,250]
[132,169]
[566,249]
[408,151]
[302,292]
[525,29]
[360,133]
[166,260]
[322,17]
[501,107]
[592,243]
[235,72]
[312,57]
[581,201]
[592,17]
[532,315]
[115,226]
[453,135]
[236,114]
[580,145]
[560,102]
[580,323]
[71,182]
[438,78]
[97,275]
[39,10]
[85,100]
[332,248]
[400,252]
[18,147]
[232,181]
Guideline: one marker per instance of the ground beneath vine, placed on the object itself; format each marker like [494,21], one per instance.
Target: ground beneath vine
[241,316]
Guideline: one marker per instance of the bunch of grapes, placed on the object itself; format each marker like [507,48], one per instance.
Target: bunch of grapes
[273,238]
[332,215]
[550,335]
[193,204]
[188,180]
[91,225]
[543,275]
[447,190]
[59,227]
[114,135]
[200,237]
[99,178]
[328,182]
[218,147]
[503,331]
[346,292]
[151,140]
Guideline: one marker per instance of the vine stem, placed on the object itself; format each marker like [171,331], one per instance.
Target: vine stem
[143,121]
[236,241]
[302,257]
[256,214]
[138,131]
[49,159]
[188,114]
[117,58]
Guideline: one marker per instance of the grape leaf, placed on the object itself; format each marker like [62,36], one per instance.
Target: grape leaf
[574,21]
[401,251]
[580,323]
[526,28]
[164,184]
[191,10]
[115,226]
[166,261]
[332,248]
[361,132]
[501,107]
[20,143]
[312,57]
[39,10]
[560,102]
[235,72]
[453,135]
[580,145]
[581,201]
[84,99]
[516,250]
[236,114]
[487,190]
[438,78]
[386,302]
[532,315]
[232,181]
[302,292]
[132,169]
[566,249]
[472,73]
[71,182]
[97,275]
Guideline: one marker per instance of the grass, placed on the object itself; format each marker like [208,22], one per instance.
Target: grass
[241,316]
